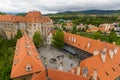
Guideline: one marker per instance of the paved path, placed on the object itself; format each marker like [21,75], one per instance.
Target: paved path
[50,52]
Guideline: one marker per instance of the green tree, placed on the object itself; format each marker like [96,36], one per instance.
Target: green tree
[37,39]
[19,34]
[6,57]
[64,28]
[74,30]
[58,39]
[112,36]
[96,35]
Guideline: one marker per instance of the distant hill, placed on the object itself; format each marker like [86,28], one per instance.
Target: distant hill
[1,13]
[89,12]
[100,11]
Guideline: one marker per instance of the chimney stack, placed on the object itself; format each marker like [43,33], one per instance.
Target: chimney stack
[74,40]
[96,52]
[88,46]
[105,49]
[95,75]
[78,70]
[116,50]
[111,53]
[85,72]
[103,55]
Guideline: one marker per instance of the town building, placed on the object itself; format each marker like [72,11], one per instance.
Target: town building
[117,30]
[95,29]
[107,27]
[69,25]
[81,27]
[91,26]
[103,61]
[33,21]
[27,64]
[99,60]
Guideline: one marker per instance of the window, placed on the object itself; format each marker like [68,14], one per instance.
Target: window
[34,24]
[24,79]
[119,64]
[113,69]
[28,68]
[106,73]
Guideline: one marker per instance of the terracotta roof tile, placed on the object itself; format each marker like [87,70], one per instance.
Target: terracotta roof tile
[32,17]
[60,75]
[25,56]
[107,70]
[46,19]
[82,43]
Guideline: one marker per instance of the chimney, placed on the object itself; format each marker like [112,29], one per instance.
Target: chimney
[96,52]
[74,40]
[116,50]
[105,49]
[88,44]
[95,75]
[78,70]
[103,55]
[85,72]
[111,54]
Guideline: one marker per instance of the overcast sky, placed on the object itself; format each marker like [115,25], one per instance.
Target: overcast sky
[52,6]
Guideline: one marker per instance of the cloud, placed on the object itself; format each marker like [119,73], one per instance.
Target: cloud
[53,6]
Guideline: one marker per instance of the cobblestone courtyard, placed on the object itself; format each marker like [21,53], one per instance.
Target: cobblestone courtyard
[51,56]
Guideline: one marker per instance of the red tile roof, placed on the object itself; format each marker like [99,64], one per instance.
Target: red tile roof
[46,19]
[11,18]
[39,76]
[59,75]
[32,17]
[35,14]
[26,56]
[82,43]
[108,67]
[108,70]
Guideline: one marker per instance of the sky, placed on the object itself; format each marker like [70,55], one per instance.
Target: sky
[54,6]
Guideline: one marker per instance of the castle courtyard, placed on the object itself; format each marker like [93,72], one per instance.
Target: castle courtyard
[52,58]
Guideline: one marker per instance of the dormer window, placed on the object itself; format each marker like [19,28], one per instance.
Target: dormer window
[28,68]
